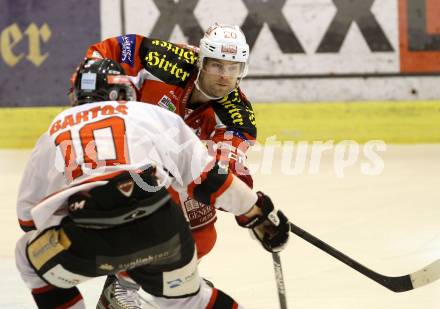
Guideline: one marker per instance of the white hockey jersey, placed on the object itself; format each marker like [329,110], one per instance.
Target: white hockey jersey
[85,143]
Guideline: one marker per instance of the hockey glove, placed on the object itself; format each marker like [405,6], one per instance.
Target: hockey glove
[271,228]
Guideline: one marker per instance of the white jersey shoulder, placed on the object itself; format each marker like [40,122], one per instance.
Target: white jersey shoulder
[121,135]
[94,139]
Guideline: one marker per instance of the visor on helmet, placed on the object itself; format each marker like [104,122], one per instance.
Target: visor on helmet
[224,42]
[223,67]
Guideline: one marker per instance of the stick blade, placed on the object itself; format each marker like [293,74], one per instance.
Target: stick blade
[426,275]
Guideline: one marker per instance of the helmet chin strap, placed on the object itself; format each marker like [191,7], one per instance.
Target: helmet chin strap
[199,88]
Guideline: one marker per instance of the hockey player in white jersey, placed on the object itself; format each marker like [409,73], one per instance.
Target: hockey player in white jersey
[96,198]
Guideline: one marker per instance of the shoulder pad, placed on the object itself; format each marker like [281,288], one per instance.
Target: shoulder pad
[236,112]
[168,62]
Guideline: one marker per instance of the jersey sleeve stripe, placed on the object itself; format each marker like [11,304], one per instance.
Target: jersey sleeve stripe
[222,189]
[26,225]
[210,185]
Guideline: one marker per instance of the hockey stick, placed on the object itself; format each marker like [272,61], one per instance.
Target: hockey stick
[279,277]
[426,275]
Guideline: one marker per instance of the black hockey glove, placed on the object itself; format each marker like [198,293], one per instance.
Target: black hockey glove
[271,228]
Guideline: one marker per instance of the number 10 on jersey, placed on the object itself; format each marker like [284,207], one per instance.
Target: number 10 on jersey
[103,143]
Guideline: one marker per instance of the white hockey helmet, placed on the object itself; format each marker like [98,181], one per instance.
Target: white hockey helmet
[226,42]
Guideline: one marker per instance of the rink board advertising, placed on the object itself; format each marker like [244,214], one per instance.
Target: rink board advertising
[43,41]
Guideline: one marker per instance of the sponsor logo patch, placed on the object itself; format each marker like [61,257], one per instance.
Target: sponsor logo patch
[174,283]
[46,246]
[77,205]
[126,188]
[106,267]
[88,81]
[166,103]
[229,49]
[63,278]
[127,44]
[168,62]
[198,214]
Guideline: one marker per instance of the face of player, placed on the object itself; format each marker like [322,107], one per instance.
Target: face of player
[219,77]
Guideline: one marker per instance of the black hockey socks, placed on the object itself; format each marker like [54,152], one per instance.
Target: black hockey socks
[50,297]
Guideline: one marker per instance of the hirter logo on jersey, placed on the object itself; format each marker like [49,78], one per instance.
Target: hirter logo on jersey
[168,62]
[127,43]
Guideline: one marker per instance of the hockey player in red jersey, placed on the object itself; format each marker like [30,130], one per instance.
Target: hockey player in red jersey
[98,189]
[201,85]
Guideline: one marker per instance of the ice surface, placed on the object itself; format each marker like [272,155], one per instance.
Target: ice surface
[388,222]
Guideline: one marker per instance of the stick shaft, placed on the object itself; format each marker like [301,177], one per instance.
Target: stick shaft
[279,277]
[395,284]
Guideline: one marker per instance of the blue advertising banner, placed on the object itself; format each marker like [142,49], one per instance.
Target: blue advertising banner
[41,43]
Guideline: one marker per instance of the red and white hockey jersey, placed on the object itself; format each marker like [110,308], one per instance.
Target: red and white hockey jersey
[164,73]
[86,143]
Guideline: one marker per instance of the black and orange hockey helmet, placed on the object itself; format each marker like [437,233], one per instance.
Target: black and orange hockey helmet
[98,80]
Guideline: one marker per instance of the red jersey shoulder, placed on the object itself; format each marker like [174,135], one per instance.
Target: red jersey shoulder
[122,49]
[236,113]
[171,63]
